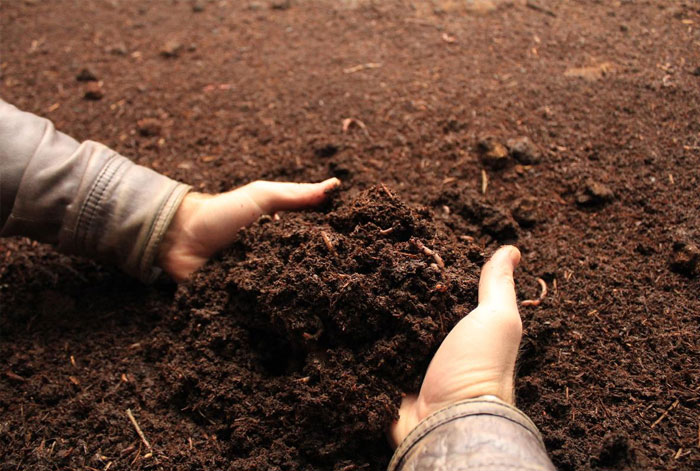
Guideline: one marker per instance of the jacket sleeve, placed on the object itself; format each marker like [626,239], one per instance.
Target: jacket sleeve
[82,197]
[482,434]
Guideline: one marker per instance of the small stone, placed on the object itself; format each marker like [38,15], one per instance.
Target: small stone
[93,91]
[198,6]
[524,151]
[118,49]
[255,6]
[326,151]
[86,75]
[281,4]
[685,258]
[525,211]
[171,48]
[594,193]
[493,154]
[149,127]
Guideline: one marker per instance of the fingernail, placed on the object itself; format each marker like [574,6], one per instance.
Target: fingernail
[331,182]
[513,254]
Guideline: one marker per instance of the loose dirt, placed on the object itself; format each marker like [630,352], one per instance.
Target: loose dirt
[568,128]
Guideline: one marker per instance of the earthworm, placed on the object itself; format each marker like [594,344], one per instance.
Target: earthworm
[543,293]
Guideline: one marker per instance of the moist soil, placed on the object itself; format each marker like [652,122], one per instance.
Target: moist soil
[568,128]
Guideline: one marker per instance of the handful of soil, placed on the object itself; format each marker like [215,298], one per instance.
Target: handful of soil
[300,340]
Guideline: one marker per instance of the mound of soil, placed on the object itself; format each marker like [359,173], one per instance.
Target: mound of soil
[300,340]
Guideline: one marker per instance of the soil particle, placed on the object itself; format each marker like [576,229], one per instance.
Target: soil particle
[149,127]
[281,4]
[618,452]
[93,91]
[493,153]
[118,49]
[326,151]
[685,258]
[481,216]
[198,6]
[594,193]
[86,75]
[525,211]
[171,48]
[524,151]
[696,72]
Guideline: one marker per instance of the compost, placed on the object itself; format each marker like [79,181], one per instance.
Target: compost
[567,128]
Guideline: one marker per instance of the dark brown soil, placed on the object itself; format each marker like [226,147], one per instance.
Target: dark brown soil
[281,354]
[307,345]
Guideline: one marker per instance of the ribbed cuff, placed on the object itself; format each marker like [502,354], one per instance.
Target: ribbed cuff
[475,422]
[122,214]
[147,270]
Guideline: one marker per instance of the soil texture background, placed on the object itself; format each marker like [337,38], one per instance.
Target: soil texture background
[568,128]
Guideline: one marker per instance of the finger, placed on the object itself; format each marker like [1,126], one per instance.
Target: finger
[496,285]
[282,196]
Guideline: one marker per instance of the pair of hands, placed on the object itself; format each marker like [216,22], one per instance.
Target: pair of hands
[478,356]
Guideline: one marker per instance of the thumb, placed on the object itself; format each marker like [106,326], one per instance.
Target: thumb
[220,217]
[271,197]
[496,285]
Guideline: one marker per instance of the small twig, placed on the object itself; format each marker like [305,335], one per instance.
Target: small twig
[429,252]
[543,293]
[15,376]
[329,244]
[386,190]
[673,406]
[128,450]
[314,336]
[387,231]
[357,68]
[347,122]
[602,406]
[484,181]
[449,39]
[534,6]
[138,429]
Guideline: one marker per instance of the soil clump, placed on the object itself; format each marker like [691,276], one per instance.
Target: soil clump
[305,334]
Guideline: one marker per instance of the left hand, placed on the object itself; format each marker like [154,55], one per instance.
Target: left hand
[205,224]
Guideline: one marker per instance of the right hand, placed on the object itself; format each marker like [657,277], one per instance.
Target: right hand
[478,356]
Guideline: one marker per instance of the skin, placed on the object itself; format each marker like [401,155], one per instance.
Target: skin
[205,224]
[478,356]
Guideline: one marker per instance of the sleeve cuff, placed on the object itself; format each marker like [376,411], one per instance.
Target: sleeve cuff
[122,215]
[484,433]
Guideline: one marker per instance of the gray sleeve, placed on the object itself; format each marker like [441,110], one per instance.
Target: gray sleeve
[82,197]
[482,434]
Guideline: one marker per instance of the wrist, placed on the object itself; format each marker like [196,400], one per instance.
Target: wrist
[179,237]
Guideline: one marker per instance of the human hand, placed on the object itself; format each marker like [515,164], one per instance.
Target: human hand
[205,224]
[477,358]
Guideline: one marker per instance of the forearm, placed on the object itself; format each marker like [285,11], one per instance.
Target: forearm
[482,434]
[82,197]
